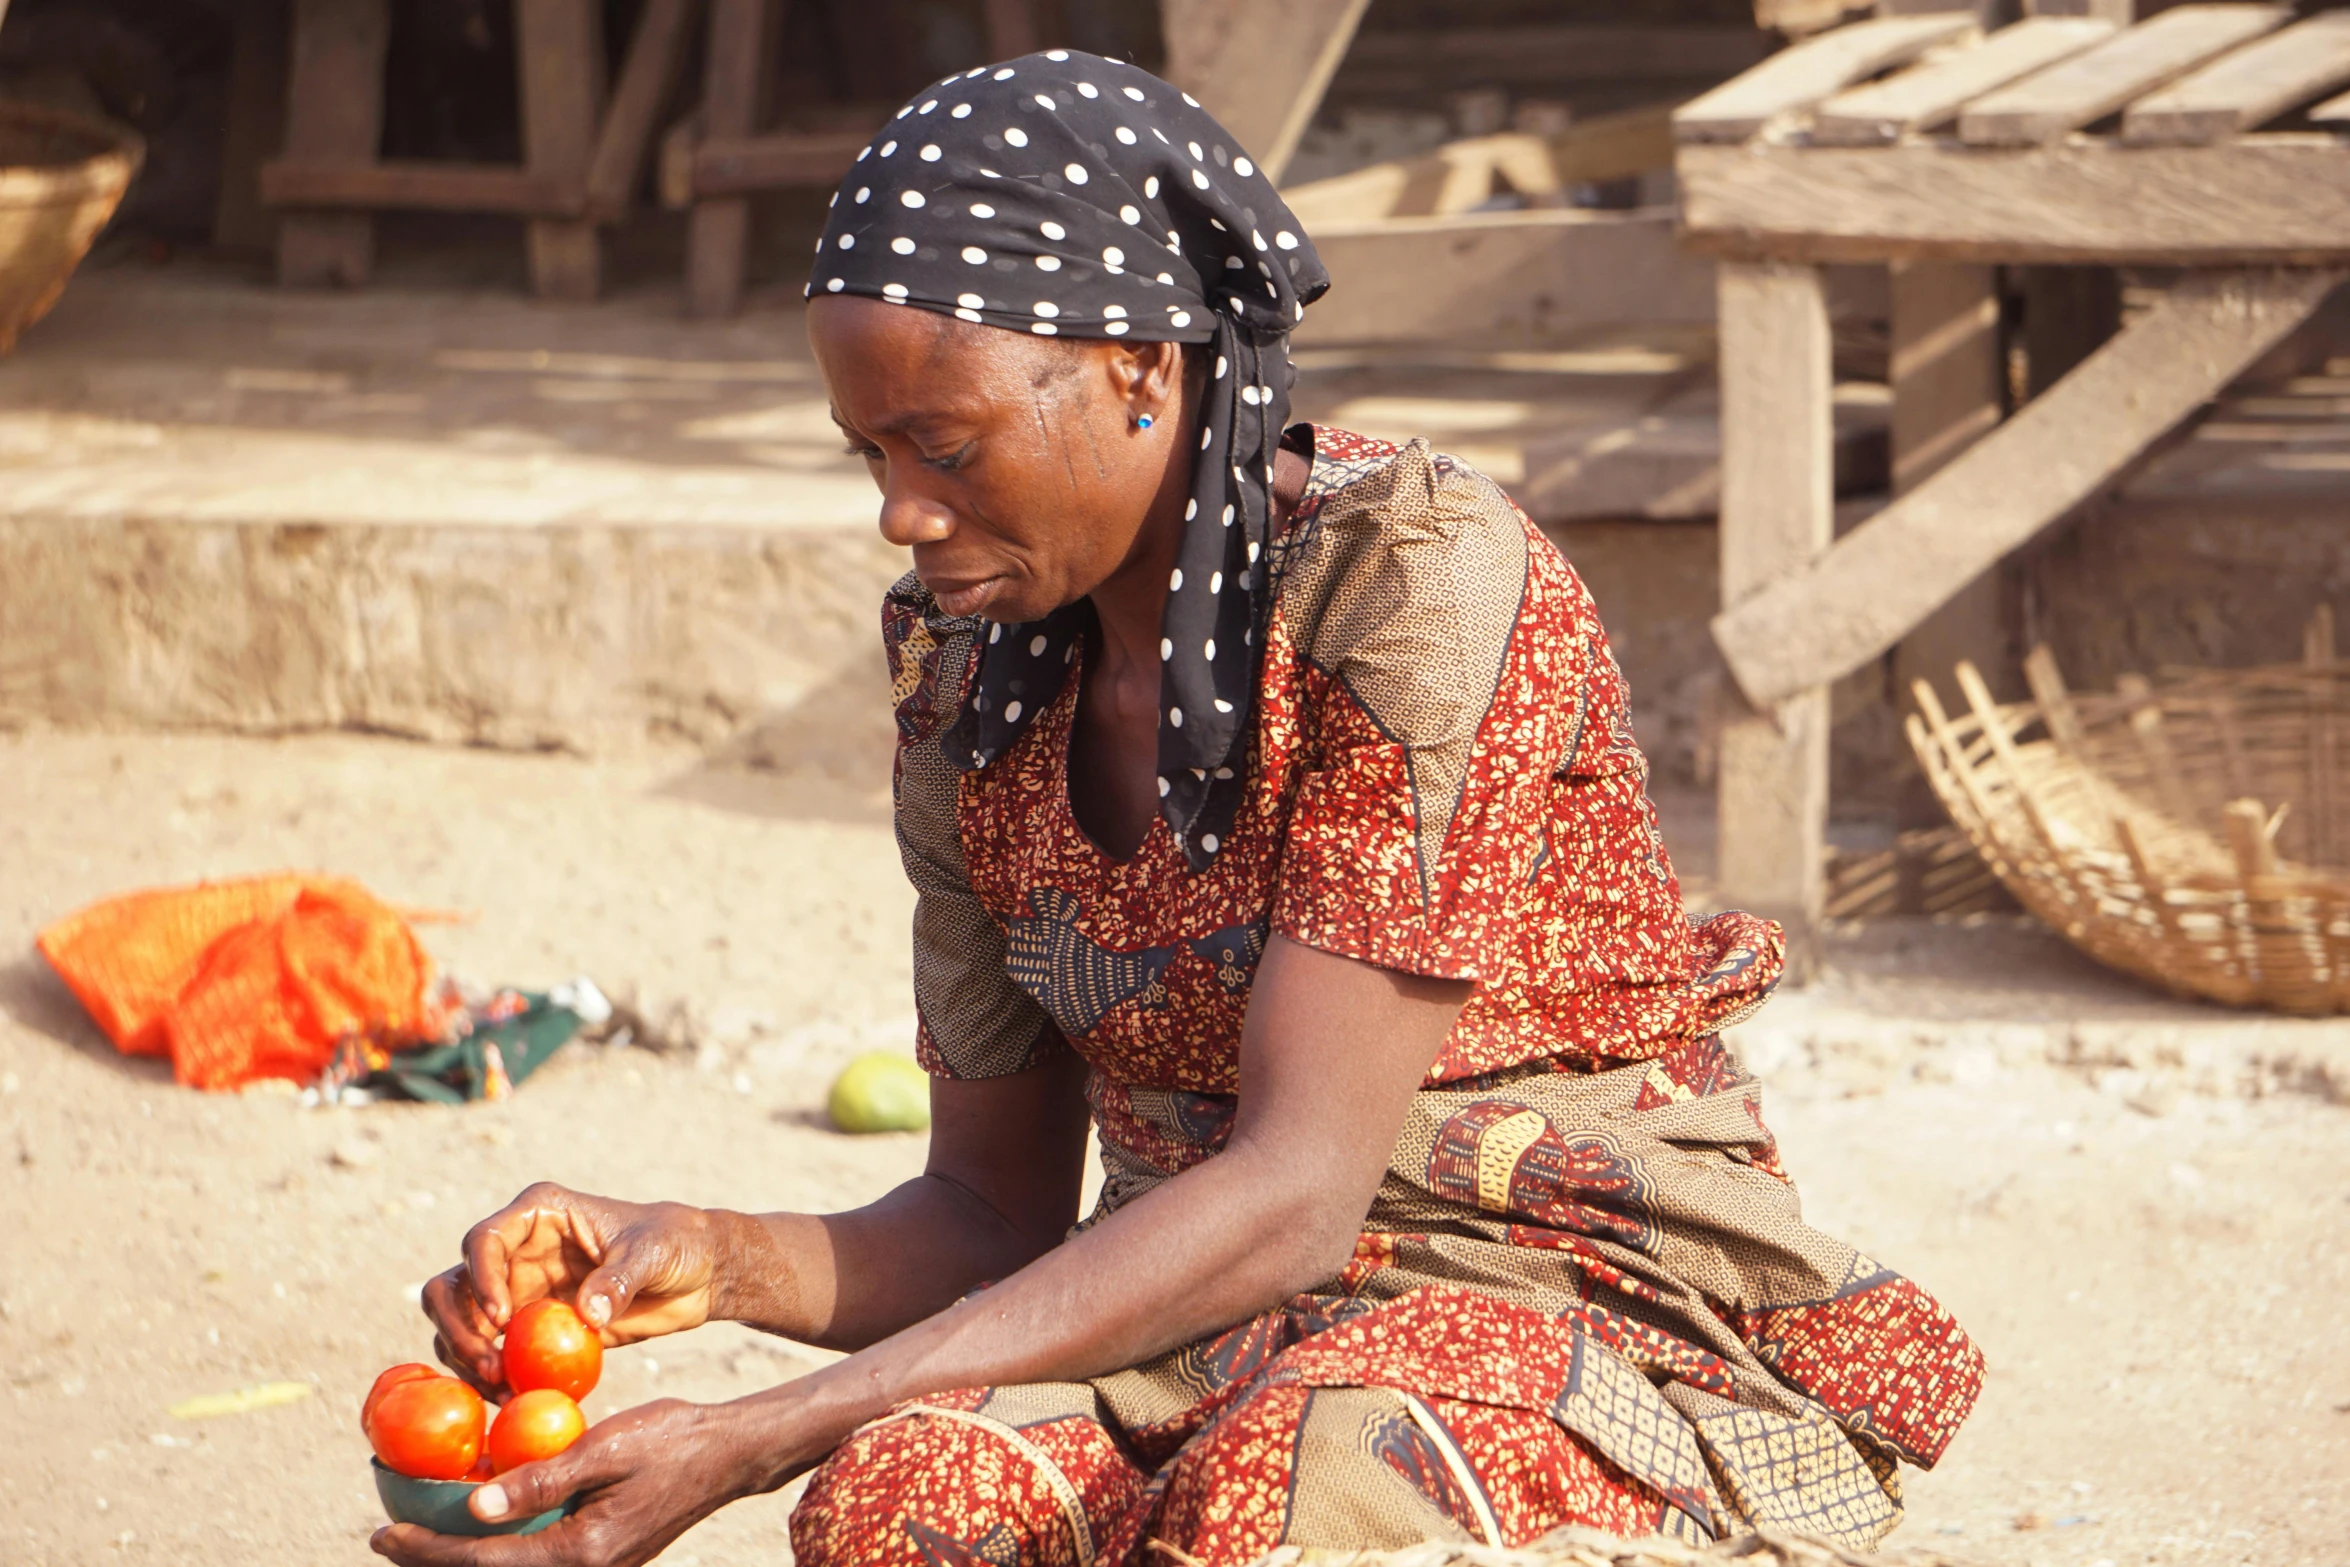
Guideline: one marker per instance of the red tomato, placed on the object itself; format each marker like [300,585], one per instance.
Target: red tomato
[428,1428]
[390,1379]
[538,1424]
[547,1345]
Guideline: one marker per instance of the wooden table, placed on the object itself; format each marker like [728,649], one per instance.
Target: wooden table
[584,148]
[1924,144]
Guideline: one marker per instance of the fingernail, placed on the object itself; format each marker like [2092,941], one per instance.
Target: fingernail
[599,1310]
[493,1500]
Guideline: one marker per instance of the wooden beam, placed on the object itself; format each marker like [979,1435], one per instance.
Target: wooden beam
[334,113]
[718,234]
[1555,56]
[2093,85]
[1930,93]
[2249,88]
[420,187]
[1259,68]
[1460,175]
[771,162]
[1888,574]
[1504,274]
[648,78]
[1816,69]
[2271,199]
[559,48]
[1778,513]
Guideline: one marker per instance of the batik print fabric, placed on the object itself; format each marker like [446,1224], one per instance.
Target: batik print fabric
[1583,1293]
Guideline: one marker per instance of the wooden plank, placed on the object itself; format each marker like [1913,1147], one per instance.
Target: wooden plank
[2332,111]
[256,126]
[1778,514]
[1811,71]
[1554,56]
[2272,199]
[718,234]
[560,50]
[1260,69]
[776,160]
[2092,85]
[1460,174]
[648,78]
[2247,88]
[334,113]
[1892,571]
[1931,93]
[421,187]
[1504,274]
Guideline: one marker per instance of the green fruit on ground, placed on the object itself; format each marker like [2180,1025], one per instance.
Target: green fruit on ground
[880,1093]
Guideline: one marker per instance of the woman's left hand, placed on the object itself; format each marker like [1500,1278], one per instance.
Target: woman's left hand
[643,1478]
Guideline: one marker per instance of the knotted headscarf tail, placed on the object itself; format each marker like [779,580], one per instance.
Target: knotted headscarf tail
[1063,194]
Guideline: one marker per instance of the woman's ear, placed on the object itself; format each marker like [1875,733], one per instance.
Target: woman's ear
[1146,377]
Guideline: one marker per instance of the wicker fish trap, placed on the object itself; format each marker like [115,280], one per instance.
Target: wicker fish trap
[2192,830]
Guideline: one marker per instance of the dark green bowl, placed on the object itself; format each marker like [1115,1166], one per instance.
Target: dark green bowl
[439,1505]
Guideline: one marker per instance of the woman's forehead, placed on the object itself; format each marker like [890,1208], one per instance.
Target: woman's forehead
[888,365]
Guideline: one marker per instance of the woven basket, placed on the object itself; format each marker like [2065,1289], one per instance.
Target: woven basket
[61,177]
[2193,831]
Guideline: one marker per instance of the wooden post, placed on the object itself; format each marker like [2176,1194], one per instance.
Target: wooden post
[334,114]
[560,52]
[1778,512]
[1012,29]
[256,127]
[718,235]
[1260,68]
[1948,375]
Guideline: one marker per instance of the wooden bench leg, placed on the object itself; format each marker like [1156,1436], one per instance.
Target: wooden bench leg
[334,113]
[1778,511]
[561,49]
[718,236]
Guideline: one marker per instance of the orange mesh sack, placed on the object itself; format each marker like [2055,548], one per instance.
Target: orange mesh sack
[247,979]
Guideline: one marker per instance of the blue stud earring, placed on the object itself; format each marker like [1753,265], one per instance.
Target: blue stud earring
[1144,421]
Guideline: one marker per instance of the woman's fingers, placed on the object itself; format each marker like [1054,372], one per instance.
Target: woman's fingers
[463,1336]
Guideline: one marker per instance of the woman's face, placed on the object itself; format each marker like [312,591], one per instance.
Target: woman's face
[1011,465]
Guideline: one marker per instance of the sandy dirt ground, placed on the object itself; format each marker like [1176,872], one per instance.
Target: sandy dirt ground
[2155,1276]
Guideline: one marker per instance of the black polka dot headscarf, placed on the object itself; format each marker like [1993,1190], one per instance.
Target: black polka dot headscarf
[1068,195]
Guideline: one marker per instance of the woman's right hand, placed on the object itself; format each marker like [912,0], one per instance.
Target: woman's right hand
[632,1270]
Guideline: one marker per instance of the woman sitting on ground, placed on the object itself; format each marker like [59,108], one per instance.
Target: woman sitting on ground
[1274,809]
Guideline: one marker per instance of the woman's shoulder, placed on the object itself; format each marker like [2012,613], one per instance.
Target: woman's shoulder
[1408,574]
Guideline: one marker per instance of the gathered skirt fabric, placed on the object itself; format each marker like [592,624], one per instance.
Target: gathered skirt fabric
[1578,1299]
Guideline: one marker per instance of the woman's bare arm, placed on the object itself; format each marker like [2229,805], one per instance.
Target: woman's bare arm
[1330,1057]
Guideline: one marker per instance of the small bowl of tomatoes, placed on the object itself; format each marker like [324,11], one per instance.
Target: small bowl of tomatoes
[436,1443]
[440,1505]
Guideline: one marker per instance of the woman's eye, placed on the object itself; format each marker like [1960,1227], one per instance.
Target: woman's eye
[855,448]
[954,459]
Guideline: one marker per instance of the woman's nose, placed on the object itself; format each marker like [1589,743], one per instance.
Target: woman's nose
[909,517]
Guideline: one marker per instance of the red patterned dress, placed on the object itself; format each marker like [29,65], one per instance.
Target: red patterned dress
[1583,1293]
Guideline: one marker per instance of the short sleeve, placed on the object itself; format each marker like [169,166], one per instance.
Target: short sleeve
[1435,705]
[974,1022]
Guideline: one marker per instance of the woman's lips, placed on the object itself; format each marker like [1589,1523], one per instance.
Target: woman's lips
[964,598]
